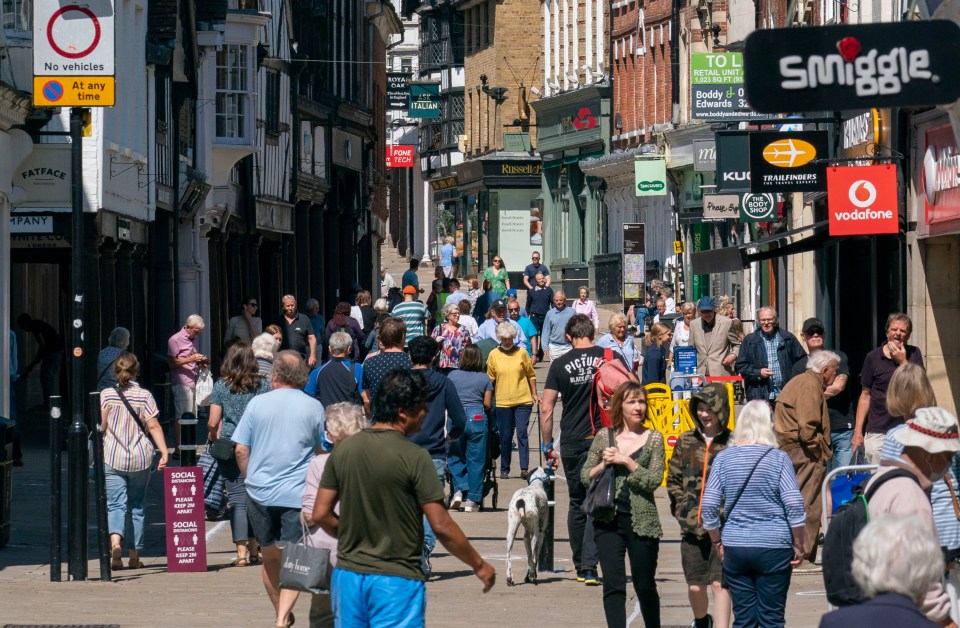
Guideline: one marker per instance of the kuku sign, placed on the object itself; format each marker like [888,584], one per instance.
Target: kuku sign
[897,64]
[73,54]
[862,200]
[733,163]
[788,162]
[650,177]
[716,87]
[399,156]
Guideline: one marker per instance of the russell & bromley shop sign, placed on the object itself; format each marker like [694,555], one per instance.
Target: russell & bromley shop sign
[827,68]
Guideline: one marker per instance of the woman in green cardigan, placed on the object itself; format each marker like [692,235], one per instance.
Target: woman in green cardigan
[638,456]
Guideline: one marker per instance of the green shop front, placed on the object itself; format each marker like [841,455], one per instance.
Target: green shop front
[572,127]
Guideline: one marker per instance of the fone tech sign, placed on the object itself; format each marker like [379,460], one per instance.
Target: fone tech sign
[862,200]
[828,68]
[788,162]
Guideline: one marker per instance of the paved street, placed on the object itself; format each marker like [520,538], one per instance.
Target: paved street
[226,596]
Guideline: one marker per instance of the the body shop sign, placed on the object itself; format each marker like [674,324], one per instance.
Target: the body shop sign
[940,182]
[399,156]
[860,66]
[650,177]
[862,200]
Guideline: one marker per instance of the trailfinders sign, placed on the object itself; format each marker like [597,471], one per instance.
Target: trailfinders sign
[73,54]
[650,177]
[716,87]
[828,68]
[862,200]
[788,162]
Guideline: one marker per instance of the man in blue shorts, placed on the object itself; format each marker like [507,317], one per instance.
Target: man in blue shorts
[276,439]
[388,484]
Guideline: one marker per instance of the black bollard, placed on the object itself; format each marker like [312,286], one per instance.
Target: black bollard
[56,555]
[188,440]
[100,488]
[77,470]
[545,560]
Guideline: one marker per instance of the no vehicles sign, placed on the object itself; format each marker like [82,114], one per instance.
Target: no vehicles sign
[73,53]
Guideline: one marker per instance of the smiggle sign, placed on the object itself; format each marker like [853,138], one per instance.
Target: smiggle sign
[852,67]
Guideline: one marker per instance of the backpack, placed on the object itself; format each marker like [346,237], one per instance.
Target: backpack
[610,375]
[837,555]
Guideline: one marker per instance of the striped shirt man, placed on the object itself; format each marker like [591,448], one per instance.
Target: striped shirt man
[125,446]
[414,315]
[767,509]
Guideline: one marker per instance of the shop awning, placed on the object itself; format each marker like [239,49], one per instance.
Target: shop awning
[733,258]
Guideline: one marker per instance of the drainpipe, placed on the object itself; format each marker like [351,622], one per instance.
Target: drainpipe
[675,64]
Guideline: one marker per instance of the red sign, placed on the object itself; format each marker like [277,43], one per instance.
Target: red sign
[399,156]
[185,527]
[671,441]
[940,179]
[862,200]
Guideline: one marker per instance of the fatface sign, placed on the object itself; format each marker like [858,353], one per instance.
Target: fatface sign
[788,162]
[862,200]
[650,177]
[43,179]
[733,163]
[852,66]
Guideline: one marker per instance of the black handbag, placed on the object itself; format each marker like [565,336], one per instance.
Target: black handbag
[600,500]
[224,450]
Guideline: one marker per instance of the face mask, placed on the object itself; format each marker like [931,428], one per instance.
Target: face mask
[325,441]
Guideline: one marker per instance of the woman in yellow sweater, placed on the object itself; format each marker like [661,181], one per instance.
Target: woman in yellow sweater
[515,392]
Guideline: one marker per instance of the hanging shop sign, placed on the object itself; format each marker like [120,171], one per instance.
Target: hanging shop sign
[704,155]
[399,156]
[940,182]
[733,161]
[716,87]
[424,101]
[42,180]
[758,207]
[862,200]
[788,162]
[398,89]
[718,207]
[650,177]
[830,68]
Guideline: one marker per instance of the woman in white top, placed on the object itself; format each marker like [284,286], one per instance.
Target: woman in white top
[466,321]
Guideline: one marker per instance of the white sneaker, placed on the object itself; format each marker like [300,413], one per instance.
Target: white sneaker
[456,501]
[469,506]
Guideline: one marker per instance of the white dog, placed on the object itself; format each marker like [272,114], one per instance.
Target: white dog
[528,507]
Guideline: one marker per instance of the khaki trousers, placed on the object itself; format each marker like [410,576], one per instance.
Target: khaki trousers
[810,474]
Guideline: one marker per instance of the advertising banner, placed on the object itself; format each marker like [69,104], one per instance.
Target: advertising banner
[788,162]
[862,200]
[650,177]
[184,515]
[716,87]
[829,68]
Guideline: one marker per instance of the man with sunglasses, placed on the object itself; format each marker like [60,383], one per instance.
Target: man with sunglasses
[838,397]
[246,326]
[532,270]
[513,311]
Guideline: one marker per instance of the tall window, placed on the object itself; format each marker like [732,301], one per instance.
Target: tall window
[273,102]
[17,14]
[233,70]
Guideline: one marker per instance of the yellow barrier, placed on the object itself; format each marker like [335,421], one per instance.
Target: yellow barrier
[672,417]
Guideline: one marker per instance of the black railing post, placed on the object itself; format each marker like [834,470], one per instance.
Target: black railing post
[100,486]
[56,554]
[188,440]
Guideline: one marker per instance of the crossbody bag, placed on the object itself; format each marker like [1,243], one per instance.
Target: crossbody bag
[727,511]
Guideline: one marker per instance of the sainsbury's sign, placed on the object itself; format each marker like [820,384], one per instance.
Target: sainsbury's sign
[852,66]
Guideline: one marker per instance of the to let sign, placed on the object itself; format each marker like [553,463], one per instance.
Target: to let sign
[73,54]
[716,87]
[897,64]
[185,527]
[862,200]
[399,156]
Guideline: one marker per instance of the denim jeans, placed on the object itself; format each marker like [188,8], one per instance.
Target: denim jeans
[240,527]
[842,453]
[429,538]
[507,419]
[758,579]
[468,455]
[126,493]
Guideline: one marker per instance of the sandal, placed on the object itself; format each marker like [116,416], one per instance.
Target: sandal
[135,564]
[116,563]
[255,559]
[290,620]
[239,562]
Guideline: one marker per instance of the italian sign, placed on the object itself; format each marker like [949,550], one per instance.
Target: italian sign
[720,207]
[733,162]
[758,208]
[788,162]
[650,177]
[73,54]
[185,527]
[399,156]
[716,87]
[424,101]
[898,64]
[398,89]
[862,200]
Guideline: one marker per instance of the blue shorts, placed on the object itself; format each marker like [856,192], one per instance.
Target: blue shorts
[367,600]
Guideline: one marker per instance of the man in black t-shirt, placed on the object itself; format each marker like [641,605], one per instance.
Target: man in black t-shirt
[571,376]
[298,332]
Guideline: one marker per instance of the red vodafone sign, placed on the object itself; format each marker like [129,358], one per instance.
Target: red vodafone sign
[399,156]
[862,200]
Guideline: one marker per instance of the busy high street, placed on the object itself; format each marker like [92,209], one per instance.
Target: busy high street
[350,313]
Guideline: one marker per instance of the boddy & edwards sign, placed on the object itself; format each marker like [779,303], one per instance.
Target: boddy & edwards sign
[828,68]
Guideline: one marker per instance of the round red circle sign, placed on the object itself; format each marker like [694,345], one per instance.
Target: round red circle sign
[671,441]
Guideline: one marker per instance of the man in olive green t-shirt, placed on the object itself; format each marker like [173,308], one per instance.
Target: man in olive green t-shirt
[389,484]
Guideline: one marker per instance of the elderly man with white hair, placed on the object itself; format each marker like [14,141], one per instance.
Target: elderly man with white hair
[895,567]
[339,379]
[801,421]
[265,348]
[618,341]
[185,362]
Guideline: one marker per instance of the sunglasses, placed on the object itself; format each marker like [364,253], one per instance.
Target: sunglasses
[253,305]
[513,309]
[815,332]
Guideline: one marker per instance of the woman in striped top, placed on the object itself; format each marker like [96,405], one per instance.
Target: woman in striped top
[128,455]
[762,532]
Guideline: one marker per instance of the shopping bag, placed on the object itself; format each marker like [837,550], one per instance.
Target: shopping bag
[214,488]
[305,568]
[204,388]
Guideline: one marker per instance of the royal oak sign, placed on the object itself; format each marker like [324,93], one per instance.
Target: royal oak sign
[827,68]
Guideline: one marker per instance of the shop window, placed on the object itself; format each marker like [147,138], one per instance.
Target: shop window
[17,14]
